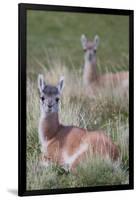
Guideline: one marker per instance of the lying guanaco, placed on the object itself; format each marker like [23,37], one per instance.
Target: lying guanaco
[94,81]
[68,145]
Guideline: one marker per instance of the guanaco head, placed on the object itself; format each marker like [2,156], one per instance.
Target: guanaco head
[90,48]
[49,95]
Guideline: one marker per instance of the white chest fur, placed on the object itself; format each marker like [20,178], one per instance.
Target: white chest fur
[69,160]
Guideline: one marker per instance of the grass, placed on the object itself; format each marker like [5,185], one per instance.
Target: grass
[54,49]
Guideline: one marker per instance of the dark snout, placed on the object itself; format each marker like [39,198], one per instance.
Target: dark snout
[49,106]
[90,56]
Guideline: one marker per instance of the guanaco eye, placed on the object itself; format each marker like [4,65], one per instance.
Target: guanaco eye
[57,99]
[95,50]
[42,98]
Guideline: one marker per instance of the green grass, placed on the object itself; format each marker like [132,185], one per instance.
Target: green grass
[53,48]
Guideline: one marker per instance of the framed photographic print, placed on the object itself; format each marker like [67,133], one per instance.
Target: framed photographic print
[75,99]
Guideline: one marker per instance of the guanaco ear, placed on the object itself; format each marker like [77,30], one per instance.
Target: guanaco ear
[96,41]
[60,85]
[41,82]
[84,41]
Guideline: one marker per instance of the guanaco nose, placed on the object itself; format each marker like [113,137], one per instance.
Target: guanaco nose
[90,56]
[49,106]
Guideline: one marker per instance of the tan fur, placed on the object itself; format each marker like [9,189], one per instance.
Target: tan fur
[60,139]
[115,81]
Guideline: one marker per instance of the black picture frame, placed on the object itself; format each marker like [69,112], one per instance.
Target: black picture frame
[22,19]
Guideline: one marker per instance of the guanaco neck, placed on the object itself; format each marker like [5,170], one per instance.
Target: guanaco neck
[49,126]
[90,72]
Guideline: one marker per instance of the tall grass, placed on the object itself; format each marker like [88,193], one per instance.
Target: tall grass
[106,112]
[54,49]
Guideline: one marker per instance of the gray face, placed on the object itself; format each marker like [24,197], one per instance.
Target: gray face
[49,99]
[49,96]
[90,48]
[90,52]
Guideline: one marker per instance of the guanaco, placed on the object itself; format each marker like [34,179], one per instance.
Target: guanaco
[94,81]
[64,145]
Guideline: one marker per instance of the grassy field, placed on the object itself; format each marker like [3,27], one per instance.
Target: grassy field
[53,48]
